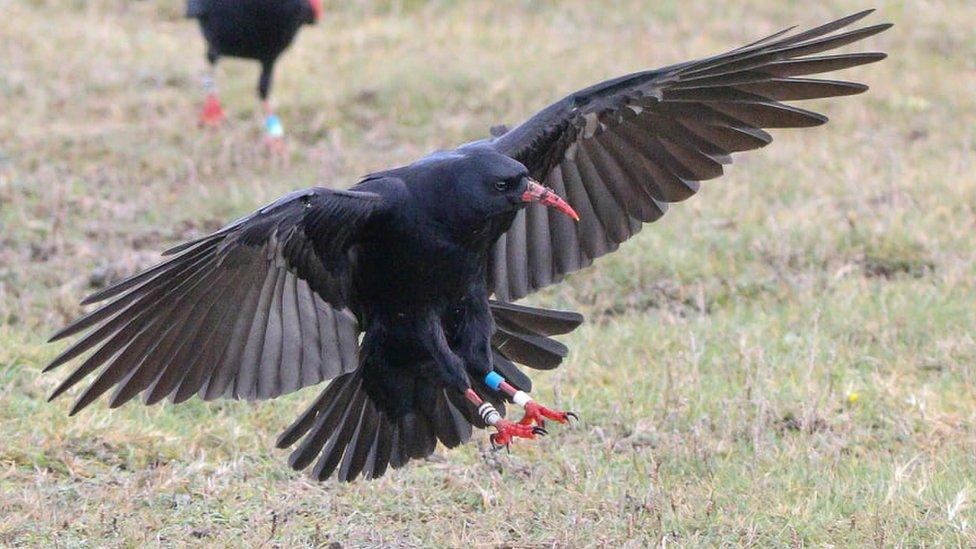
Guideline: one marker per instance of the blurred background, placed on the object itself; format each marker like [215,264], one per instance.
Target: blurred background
[787,358]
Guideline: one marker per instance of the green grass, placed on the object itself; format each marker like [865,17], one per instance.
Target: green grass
[786,359]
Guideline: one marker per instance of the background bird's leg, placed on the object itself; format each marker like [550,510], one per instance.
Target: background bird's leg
[534,412]
[273,128]
[212,113]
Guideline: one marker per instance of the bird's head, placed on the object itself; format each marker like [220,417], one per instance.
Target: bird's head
[475,185]
[314,13]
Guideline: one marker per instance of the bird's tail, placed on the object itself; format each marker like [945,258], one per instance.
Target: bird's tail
[352,436]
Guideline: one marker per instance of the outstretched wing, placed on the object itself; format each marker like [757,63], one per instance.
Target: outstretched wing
[254,310]
[622,150]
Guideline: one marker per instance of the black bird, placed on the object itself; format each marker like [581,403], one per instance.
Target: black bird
[250,29]
[399,289]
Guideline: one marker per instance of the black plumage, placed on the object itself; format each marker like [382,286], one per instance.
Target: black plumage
[385,288]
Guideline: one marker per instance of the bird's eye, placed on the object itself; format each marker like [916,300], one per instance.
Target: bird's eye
[501,185]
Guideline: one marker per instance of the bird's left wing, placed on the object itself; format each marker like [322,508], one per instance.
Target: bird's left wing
[254,310]
[622,150]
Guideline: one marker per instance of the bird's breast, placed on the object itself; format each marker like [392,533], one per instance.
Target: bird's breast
[414,275]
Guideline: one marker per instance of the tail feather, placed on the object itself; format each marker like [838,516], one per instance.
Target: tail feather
[352,437]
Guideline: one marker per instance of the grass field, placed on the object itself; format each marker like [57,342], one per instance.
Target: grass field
[788,358]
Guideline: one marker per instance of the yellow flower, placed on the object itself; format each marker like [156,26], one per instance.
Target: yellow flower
[852,397]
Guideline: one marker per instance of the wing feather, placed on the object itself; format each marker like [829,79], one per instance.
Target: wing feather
[622,150]
[254,310]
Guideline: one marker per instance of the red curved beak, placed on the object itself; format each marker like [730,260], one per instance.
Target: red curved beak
[316,8]
[535,192]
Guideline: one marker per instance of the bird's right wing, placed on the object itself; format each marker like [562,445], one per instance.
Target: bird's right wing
[622,150]
[254,310]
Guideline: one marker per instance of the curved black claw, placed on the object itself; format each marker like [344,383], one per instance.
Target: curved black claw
[495,446]
[572,415]
[539,431]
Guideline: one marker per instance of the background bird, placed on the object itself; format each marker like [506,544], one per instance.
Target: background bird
[409,258]
[250,29]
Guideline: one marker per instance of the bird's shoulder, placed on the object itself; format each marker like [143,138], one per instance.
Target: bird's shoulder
[390,189]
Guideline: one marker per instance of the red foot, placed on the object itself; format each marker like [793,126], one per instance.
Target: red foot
[212,114]
[508,431]
[537,413]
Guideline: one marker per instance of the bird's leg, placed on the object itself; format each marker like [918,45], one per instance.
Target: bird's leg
[273,128]
[274,131]
[452,371]
[472,339]
[534,412]
[212,114]
[507,430]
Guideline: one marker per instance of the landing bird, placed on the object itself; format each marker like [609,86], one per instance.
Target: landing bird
[250,29]
[400,289]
